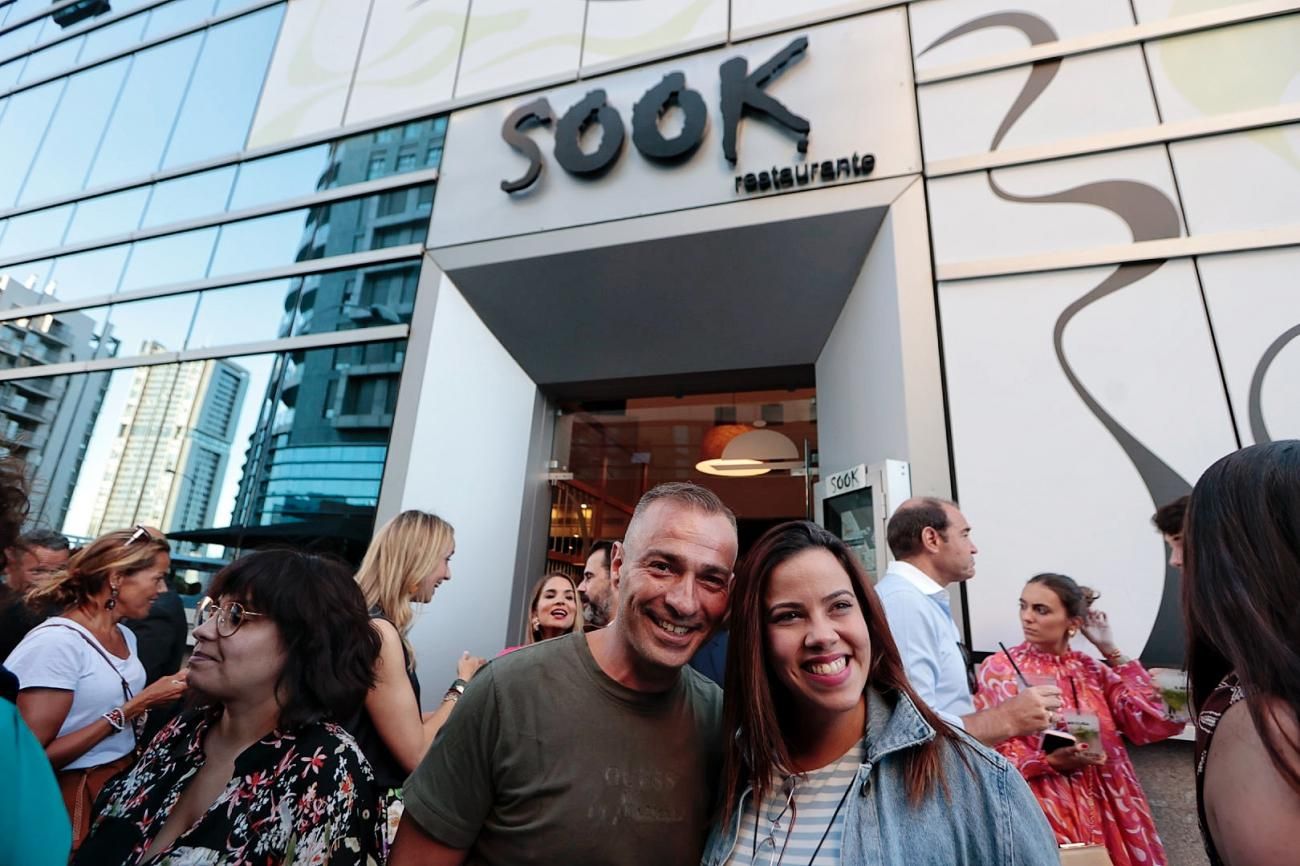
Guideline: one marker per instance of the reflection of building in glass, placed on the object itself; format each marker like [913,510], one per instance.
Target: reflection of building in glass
[169,455]
[322,437]
[48,422]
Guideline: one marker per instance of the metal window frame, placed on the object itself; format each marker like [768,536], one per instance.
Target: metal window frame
[329,196]
[235,350]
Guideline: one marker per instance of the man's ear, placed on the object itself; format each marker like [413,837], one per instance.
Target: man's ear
[615,565]
[930,539]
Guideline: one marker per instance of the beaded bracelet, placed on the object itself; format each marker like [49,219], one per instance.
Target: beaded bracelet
[116,718]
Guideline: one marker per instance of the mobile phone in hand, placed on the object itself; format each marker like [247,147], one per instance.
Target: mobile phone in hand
[1053,740]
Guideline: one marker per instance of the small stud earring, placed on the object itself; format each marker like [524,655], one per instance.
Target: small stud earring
[1073,631]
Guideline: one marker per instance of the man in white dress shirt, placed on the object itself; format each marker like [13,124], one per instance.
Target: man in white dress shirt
[931,541]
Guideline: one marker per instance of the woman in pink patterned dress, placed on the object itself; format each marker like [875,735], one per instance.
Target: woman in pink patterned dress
[1089,795]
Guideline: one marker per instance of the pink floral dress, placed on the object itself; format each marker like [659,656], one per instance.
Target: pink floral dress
[1097,805]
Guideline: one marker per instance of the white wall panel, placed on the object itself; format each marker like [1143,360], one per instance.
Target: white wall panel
[754,17]
[932,19]
[1254,307]
[510,43]
[1255,65]
[969,222]
[1158,10]
[409,57]
[306,88]
[1089,94]
[626,30]
[1240,182]
[469,466]
[1045,483]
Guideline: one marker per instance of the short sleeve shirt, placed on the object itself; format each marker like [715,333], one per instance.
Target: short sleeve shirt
[547,760]
[928,641]
[53,657]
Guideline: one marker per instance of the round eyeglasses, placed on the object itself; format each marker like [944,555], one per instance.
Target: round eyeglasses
[230,616]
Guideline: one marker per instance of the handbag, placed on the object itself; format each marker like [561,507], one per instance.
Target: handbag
[1083,854]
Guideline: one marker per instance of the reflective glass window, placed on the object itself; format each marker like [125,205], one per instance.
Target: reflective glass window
[188,197]
[142,120]
[153,325]
[280,177]
[107,215]
[251,245]
[222,96]
[176,15]
[113,38]
[27,114]
[48,61]
[9,73]
[169,259]
[39,230]
[33,275]
[89,274]
[245,314]
[74,135]
[16,41]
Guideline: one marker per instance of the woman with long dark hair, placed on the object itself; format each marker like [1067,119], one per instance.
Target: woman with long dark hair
[1241,555]
[830,757]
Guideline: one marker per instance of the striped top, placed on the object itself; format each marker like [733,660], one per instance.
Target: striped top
[797,812]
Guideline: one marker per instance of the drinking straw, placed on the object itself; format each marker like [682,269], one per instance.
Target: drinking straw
[1024,682]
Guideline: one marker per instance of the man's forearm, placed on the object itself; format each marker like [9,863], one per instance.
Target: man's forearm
[990,726]
[414,847]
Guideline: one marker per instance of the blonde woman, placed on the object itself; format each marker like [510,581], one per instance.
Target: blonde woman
[81,682]
[409,557]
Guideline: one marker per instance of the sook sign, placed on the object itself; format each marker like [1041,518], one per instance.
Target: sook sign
[743,93]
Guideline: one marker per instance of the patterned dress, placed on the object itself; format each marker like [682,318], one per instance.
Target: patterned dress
[1097,805]
[1225,694]
[304,796]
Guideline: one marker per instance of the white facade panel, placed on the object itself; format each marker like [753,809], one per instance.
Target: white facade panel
[755,17]
[1241,182]
[1255,310]
[997,27]
[859,61]
[1074,204]
[1051,485]
[1088,94]
[1238,68]
[637,30]
[306,89]
[409,57]
[510,42]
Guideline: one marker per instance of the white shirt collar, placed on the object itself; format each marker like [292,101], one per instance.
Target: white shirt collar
[914,576]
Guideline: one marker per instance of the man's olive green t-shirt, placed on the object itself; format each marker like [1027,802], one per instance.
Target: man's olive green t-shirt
[547,760]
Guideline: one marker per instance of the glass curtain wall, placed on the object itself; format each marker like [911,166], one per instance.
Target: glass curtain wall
[215,367]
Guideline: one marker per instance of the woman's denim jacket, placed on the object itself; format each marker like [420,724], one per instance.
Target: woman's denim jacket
[990,817]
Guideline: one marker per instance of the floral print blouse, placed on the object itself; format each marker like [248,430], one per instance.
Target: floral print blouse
[302,796]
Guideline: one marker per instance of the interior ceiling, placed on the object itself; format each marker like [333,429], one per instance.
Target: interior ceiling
[730,309]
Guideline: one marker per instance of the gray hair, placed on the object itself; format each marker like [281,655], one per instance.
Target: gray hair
[682,493]
[45,538]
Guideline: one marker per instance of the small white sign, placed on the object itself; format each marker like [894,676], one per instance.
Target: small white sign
[846,481]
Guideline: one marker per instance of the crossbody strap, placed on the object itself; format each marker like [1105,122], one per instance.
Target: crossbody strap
[126,687]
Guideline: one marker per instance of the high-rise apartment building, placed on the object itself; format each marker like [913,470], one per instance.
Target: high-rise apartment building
[169,456]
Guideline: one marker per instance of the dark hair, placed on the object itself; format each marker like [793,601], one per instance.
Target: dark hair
[90,568]
[535,634]
[330,647]
[1241,579]
[1077,599]
[605,547]
[754,710]
[913,518]
[1169,517]
[13,501]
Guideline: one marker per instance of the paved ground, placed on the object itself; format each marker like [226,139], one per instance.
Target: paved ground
[1165,770]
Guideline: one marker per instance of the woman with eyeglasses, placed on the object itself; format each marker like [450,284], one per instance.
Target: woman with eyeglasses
[830,757]
[82,686]
[408,559]
[256,771]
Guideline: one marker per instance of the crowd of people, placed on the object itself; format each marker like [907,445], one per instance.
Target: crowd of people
[852,726]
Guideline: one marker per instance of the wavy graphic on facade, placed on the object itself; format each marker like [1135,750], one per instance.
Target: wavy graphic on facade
[1149,215]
